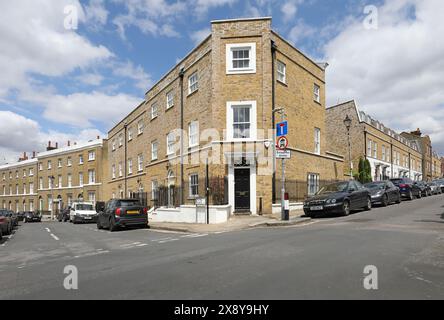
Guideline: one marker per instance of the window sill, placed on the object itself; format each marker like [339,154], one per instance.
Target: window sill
[192,93]
[152,119]
[240,72]
[282,83]
[168,108]
[317,102]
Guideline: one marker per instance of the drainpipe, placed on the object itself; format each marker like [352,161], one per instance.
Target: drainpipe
[126,160]
[391,157]
[273,120]
[181,193]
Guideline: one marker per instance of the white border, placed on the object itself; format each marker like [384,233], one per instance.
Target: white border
[229,58]
[253,120]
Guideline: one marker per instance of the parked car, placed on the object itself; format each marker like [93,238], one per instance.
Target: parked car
[426,190]
[82,212]
[436,188]
[32,216]
[338,198]
[63,215]
[14,218]
[407,188]
[21,215]
[440,182]
[122,213]
[5,222]
[384,193]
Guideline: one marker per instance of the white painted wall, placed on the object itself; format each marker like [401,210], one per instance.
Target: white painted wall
[189,214]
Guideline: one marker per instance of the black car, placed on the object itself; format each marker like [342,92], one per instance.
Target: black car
[426,190]
[63,215]
[338,198]
[14,218]
[121,213]
[384,193]
[407,188]
[5,223]
[32,217]
[21,215]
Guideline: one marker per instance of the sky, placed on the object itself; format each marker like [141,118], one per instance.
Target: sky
[71,69]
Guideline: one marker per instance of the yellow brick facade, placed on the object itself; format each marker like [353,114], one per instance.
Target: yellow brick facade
[220,91]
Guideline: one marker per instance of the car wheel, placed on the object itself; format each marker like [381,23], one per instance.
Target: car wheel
[385,201]
[398,201]
[346,208]
[411,196]
[112,225]
[24,220]
[420,195]
[368,207]
[99,226]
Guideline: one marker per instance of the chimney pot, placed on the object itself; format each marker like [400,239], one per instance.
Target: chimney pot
[69,143]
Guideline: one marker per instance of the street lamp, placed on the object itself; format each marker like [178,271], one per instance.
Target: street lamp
[52,178]
[348,124]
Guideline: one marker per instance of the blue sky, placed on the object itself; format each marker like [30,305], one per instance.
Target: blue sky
[61,85]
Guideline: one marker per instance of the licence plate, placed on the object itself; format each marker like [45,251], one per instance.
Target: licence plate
[132,212]
[87,218]
[318,208]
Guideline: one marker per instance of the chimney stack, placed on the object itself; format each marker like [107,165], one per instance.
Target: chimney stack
[33,154]
[24,158]
[69,143]
[50,148]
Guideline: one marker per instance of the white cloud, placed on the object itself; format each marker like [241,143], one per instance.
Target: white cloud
[96,12]
[34,41]
[203,6]
[199,35]
[92,79]
[136,73]
[397,71]
[21,134]
[289,9]
[300,32]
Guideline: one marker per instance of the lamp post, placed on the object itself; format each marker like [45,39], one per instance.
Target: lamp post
[348,124]
[52,178]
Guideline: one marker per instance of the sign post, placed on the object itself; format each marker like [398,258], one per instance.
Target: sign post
[283,153]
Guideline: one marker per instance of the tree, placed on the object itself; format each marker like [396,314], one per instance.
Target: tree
[364,171]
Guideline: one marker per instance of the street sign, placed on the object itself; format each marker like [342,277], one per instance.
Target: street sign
[280,154]
[282,143]
[282,129]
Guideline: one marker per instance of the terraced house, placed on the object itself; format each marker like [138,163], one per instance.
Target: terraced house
[74,172]
[18,185]
[390,154]
[224,98]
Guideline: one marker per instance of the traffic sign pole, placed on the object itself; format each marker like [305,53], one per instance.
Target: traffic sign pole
[282,144]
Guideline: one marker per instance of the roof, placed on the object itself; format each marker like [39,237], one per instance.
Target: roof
[77,147]
[241,19]
[18,164]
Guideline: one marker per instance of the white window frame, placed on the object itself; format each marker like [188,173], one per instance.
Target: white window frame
[69,180]
[49,165]
[154,189]
[230,117]
[130,134]
[69,162]
[81,180]
[120,169]
[140,127]
[317,93]
[154,111]
[170,142]
[31,188]
[140,163]
[313,183]
[91,176]
[113,171]
[114,145]
[194,84]
[130,166]
[317,141]
[281,74]
[59,163]
[154,150]
[91,155]
[191,185]
[81,160]
[120,140]
[193,134]
[170,99]
[229,58]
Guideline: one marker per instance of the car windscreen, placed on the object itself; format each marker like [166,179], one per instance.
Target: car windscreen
[128,203]
[85,207]
[3,213]
[335,187]
[375,185]
[397,181]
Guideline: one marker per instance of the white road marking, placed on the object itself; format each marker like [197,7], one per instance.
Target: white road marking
[165,241]
[55,237]
[142,245]
[47,229]
[198,235]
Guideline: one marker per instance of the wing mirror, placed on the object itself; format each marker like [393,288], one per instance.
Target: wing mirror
[100,207]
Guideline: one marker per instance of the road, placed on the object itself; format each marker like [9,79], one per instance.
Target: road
[324,259]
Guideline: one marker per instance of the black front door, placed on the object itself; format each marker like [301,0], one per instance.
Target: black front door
[242,190]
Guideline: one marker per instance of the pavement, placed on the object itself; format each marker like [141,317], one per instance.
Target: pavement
[319,259]
[235,223]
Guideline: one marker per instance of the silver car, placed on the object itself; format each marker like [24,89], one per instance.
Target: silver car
[436,188]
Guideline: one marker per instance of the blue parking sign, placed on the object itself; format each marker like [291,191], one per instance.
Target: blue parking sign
[282,129]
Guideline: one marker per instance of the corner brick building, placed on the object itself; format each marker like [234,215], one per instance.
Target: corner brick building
[390,154]
[222,95]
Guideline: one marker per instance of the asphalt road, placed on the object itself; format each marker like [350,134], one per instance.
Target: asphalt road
[324,259]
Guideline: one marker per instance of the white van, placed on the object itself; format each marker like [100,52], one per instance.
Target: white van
[82,212]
